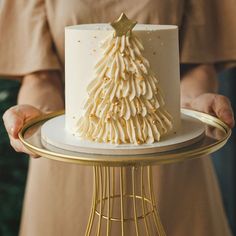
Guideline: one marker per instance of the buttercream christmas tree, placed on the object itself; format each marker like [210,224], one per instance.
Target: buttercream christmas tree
[125,103]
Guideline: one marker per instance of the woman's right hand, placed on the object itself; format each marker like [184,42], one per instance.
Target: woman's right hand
[40,92]
[14,119]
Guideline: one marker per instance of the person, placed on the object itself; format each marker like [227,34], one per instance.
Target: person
[58,195]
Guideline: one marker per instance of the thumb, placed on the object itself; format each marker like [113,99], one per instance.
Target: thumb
[223,110]
[15,117]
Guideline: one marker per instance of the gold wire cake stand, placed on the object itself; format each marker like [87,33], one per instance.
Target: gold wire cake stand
[108,193]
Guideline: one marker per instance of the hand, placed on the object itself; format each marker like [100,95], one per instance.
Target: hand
[14,119]
[40,92]
[214,104]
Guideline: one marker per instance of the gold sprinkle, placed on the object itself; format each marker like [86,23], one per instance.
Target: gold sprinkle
[106,78]
[122,54]
[128,73]
[141,78]
[154,122]
[108,118]
[139,142]
[154,110]
[92,115]
[119,142]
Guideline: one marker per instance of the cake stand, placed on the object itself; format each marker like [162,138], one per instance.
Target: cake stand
[107,193]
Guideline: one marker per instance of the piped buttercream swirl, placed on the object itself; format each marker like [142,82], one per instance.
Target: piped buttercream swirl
[125,103]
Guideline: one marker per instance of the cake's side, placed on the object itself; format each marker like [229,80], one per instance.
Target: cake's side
[82,51]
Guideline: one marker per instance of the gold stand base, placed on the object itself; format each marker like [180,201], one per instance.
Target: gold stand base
[129,201]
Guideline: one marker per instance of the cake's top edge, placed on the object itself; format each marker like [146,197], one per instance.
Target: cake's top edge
[107,27]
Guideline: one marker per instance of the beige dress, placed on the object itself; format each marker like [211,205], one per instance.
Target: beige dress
[58,195]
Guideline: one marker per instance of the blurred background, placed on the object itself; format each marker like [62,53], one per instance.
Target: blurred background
[13,166]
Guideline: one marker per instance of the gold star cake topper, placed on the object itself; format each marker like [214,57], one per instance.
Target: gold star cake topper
[123,25]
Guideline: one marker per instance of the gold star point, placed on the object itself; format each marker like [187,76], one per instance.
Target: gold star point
[123,25]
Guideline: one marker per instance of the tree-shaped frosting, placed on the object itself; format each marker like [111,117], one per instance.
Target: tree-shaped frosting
[125,103]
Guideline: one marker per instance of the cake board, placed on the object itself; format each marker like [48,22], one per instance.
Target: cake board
[53,133]
[141,197]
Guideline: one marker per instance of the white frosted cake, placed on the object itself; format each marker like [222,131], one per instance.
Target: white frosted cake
[122,88]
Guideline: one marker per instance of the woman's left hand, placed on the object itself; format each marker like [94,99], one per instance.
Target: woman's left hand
[213,104]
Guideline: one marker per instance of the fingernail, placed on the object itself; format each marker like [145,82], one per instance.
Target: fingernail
[11,130]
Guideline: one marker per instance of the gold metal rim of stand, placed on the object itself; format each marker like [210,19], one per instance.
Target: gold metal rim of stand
[131,160]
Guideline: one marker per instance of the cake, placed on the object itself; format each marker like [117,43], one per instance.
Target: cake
[122,82]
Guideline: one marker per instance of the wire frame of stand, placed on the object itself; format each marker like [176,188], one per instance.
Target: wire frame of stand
[121,196]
